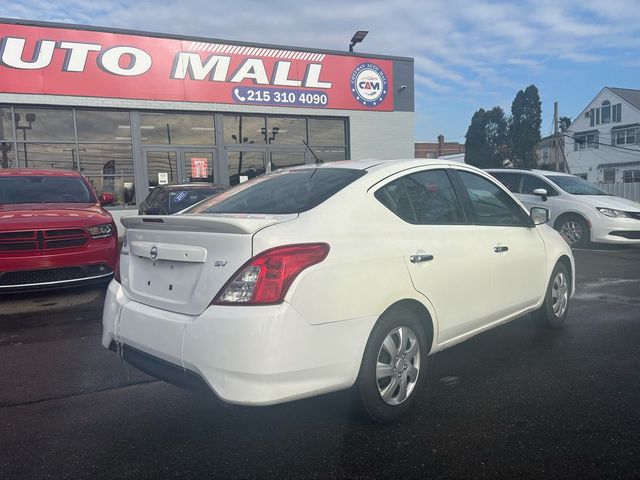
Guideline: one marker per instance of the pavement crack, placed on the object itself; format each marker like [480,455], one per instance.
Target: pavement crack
[4,405]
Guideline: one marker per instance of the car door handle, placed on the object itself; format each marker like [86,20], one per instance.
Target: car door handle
[500,248]
[421,258]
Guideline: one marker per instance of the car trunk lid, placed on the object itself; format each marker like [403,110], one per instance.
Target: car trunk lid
[180,262]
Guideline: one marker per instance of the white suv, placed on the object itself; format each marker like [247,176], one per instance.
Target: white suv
[579,210]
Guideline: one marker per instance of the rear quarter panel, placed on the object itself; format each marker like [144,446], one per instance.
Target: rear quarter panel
[363,273]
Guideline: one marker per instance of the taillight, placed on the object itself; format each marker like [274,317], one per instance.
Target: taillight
[266,278]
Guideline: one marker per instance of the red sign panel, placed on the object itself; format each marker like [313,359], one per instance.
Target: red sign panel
[56,61]
[199,167]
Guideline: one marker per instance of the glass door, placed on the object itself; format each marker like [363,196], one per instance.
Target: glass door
[198,165]
[244,165]
[162,166]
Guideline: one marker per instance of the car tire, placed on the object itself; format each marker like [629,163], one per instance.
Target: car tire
[392,373]
[553,311]
[575,230]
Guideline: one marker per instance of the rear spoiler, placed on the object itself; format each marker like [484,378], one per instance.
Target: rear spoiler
[214,223]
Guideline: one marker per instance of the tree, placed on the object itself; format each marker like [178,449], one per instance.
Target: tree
[524,131]
[564,123]
[486,140]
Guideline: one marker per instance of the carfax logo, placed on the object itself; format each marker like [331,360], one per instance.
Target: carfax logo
[369,84]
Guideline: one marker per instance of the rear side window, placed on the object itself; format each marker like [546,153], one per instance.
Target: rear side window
[509,180]
[424,198]
[181,199]
[492,205]
[291,191]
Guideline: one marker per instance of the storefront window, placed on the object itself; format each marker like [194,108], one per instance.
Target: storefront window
[176,129]
[97,126]
[48,155]
[44,125]
[244,129]
[109,168]
[6,130]
[330,154]
[288,130]
[326,131]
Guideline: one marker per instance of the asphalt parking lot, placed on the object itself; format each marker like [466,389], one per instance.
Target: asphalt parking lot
[518,401]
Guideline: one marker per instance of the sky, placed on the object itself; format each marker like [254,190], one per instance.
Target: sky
[469,54]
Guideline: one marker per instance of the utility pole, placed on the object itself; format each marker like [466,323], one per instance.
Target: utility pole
[556,138]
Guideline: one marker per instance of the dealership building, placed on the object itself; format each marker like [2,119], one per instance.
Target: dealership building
[132,110]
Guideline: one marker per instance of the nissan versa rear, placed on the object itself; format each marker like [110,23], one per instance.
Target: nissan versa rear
[320,278]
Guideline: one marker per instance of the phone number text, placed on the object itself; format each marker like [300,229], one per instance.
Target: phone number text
[280,96]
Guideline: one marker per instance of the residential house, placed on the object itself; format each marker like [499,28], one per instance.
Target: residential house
[549,157]
[603,142]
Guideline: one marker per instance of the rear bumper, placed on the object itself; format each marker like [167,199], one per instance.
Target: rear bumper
[246,355]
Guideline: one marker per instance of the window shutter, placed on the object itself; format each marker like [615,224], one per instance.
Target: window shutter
[618,112]
[591,116]
[597,116]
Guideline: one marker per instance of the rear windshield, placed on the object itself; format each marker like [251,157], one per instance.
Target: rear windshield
[44,189]
[291,191]
[181,199]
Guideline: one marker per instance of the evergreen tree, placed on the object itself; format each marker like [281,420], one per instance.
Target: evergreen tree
[486,139]
[564,123]
[524,131]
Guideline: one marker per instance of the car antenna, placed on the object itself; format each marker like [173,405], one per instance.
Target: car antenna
[318,160]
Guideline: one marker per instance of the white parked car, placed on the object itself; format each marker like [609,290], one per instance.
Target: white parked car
[581,211]
[313,279]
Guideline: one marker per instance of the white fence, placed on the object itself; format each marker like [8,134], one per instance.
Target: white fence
[624,190]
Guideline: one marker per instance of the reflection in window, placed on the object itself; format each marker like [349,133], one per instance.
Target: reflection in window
[48,155]
[289,130]
[329,154]
[424,198]
[491,205]
[244,166]
[109,168]
[176,129]
[6,129]
[162,167]
[286,160]
[103,126]
[43,124]
[7,156]
[326,131]
[244,129]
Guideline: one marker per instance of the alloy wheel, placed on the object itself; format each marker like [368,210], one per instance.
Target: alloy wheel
[572,232]
[560,294]
[398,365]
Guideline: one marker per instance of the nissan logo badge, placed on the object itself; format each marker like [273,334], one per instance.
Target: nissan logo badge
[153,252]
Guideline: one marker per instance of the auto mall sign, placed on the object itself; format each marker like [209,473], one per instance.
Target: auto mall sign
[60,61]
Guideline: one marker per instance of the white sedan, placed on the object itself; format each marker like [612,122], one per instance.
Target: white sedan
[319,278]
[581,211]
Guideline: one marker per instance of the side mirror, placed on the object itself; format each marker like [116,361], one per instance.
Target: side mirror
[106,199]
[542,193]
[539,215]
[152,211]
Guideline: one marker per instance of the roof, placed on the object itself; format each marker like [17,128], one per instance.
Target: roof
[630,95]
[177,36]
[526,170]
[30,172]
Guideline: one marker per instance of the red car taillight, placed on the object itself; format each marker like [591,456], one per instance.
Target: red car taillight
[266,278]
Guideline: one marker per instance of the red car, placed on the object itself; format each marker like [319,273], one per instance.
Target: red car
[54,231]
